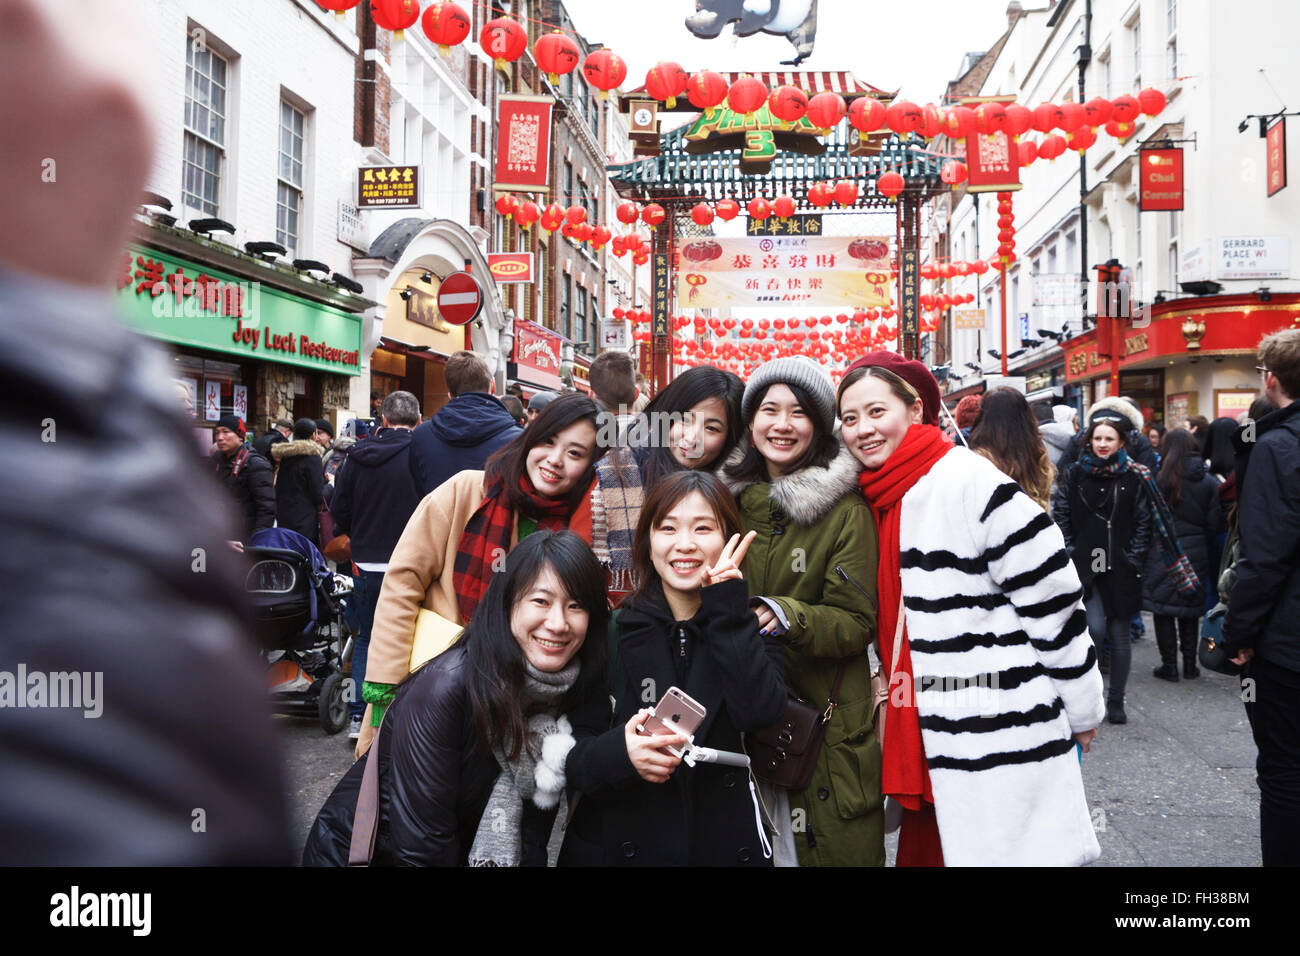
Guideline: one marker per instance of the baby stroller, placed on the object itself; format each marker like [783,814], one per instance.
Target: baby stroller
[300,605]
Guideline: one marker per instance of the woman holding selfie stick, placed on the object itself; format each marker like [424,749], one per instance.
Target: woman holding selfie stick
[996,679]
[688,626]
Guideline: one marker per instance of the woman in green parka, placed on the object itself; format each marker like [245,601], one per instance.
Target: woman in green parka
[811,574]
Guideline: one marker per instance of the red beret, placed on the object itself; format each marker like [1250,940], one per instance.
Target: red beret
[910,371]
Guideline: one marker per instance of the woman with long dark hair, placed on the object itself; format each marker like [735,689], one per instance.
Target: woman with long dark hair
[687,625]
[472,751]
[1193,498]
[694,422]
[461,531]
[811,574]
[1006,433]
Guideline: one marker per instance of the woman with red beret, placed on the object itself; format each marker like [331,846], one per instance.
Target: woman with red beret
[994,678]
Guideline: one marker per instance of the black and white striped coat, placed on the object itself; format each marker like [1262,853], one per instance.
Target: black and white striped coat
[993,600]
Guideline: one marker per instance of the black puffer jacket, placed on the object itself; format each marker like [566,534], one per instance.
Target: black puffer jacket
[1106,522]
[1197,519]
[112,518]
[434,781]
[704,816]
[1264,608]
[299,487]
[250,486]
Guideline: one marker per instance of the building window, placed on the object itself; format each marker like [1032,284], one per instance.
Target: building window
[205,128]
[1171,44]
[1135,37]
[568,183]
[1174,218]
[566,307]
[1104,59]
[580,319]
[288,200]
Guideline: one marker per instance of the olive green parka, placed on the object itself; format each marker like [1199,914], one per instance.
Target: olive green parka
[815,556]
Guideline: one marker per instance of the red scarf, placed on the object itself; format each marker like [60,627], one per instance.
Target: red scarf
[487,538]
[903,772]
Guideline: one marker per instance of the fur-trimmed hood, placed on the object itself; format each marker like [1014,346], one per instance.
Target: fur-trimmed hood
[1119,406]
[300,446]
[808,494]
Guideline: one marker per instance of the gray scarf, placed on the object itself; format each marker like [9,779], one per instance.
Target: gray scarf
[536,774]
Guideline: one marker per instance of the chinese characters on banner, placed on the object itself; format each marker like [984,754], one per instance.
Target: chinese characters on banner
[241,402]
[908,278]
[212,400]
[388,187]
[968,319]
[1275,141]
[1161,180]
[850,272]
[523,143]
[806,225]
[992,163]
[660,303]
[508,267]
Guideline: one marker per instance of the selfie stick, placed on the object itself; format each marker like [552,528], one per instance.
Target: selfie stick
[727,758]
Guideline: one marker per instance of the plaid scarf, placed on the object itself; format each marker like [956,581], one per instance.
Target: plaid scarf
[1176,562]
[614,513]
[487,538]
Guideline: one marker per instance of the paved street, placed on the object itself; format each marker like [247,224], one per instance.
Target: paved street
[1175,786]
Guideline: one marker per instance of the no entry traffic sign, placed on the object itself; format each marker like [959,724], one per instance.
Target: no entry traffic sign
[460,298]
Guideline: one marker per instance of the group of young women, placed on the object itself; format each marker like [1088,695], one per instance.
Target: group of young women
[771,550]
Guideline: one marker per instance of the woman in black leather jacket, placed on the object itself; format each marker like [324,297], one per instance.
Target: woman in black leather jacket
[471,752]
[1105,516]
[689,626]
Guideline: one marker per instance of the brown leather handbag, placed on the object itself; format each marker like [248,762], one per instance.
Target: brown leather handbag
[785,754]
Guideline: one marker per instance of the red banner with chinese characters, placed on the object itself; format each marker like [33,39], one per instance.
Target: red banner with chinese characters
[536,355]
[523,143]
[507,267]
[992,163]
[1275,140]
[1161,180]
[843,271]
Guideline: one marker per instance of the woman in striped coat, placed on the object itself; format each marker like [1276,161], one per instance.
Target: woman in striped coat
[996,677]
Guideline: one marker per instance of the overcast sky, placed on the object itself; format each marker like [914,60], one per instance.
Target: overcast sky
[916,47]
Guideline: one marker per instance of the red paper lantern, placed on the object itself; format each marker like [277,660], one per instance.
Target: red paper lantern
[527,213]
[783,206]
[1097,111]
[990,117]
[759,208]
[932,121]
[867,114]
[825,110]
[1082,138]
[652,215]
[702,214]
[600,235]
[953,172]
[395,15]
[706,90]
[1120,131]
[1052,146]
[665,82]
[746,95]
[604,70]
[618,312]
[819,195]
[1151,100]
[1047,117]
[788,103]
[979,267]
[1028,151]
[627,212]
[504,40]
[1125,109]
[890,184]
[340,7]
[903,116]
[506,205]
[1072,117]
[641,258]
[846,192]
[557,54]
[959,122]
[1020,119]
[575,214]
[445,24]
[552,217]
[727,209]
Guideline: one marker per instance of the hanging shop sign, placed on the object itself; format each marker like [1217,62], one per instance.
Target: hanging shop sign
[536,356]
[843,271]
[968,319]
[1254,257]
[808,225]
[511,267]
[422,309]
[759,136]
[992,163]
[615,335]
[523,160]
[182,302]
[659,297]
[1275,143]
[1161,180]
[389,187]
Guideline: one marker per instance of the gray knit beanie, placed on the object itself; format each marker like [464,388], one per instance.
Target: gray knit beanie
[793,370]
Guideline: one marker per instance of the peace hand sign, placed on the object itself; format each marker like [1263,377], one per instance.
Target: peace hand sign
[728,566]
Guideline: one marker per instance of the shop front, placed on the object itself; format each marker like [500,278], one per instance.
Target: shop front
[535,360]
[416,342]
[241,344]
[1194,357]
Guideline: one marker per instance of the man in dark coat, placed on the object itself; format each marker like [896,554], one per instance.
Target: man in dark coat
[299,482]
[466,430]
[1262,629]
[245,474]
[280,431]
[374,495]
